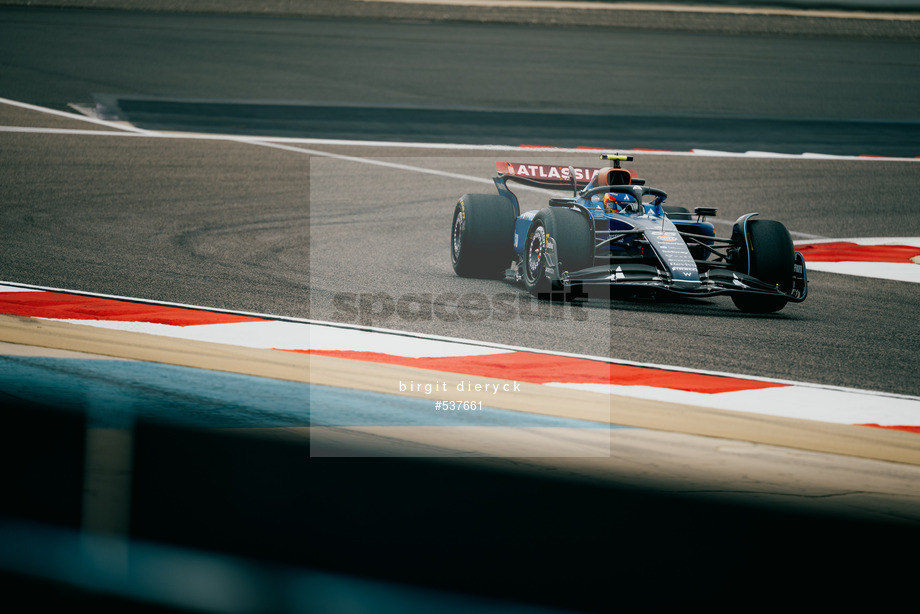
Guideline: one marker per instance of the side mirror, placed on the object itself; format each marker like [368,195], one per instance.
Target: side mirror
[703,212]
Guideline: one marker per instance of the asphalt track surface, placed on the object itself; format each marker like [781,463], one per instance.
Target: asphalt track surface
[489,83]
[231,230]
[245,227]
[312,230]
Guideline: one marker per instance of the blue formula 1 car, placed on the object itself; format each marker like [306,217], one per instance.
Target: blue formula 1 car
[615,231]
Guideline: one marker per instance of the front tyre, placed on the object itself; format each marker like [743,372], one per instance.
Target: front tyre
[481,235]
[770,257]
[574,249]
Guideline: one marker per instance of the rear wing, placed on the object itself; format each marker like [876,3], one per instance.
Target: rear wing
[555,177]
[552,176]
[549,176]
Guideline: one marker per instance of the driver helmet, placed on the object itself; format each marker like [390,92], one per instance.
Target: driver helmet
[615,202]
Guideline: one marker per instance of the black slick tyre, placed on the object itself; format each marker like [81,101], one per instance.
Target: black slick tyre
[571,234]
[770,257]
[482,231]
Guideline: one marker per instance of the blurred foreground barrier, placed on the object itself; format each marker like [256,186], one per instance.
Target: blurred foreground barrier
[251,508]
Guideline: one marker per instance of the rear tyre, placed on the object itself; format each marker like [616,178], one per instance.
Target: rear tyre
[482,231]
[771,257]
[574,249]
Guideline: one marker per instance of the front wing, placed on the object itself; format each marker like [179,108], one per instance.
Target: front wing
[712,282]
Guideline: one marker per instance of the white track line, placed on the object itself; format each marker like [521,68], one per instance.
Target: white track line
[66,131]
[569,5]
[288,143]
[84,118]
[293,145]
